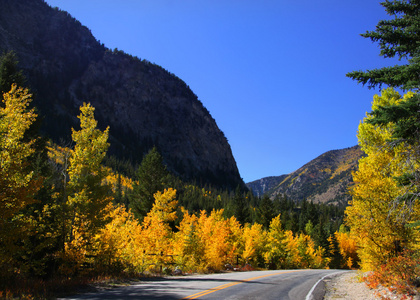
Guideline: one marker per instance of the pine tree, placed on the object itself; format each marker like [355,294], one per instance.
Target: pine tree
[240,207]
[9,73]
[152,177]
[397,37]
[266,211]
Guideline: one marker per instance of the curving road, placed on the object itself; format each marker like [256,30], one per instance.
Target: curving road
[280,284]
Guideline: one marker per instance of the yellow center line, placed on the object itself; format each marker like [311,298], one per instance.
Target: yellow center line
[224,286]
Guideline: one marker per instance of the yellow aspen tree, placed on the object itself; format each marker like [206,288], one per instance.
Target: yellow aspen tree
[374,213]
[118,243]
[18,183]
[306,250]
[293,259]
[88,197]
[275,254]
[157,234]
[320,260]
[188,247]
[213,236]
[254,237]
[207,243]
[347,248]
[213,231]
[309,255]
[235,240]
[164,207]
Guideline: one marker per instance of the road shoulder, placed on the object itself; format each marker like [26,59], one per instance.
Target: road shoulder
[347,286]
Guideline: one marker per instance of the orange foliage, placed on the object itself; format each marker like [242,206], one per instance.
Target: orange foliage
[188,248]
[399,275]
[214,233]
[156,234]
[116,243]
[254,238]
[347,248]
[124,244]
[207,243]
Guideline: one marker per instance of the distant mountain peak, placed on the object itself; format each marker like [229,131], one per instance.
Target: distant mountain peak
[324,179]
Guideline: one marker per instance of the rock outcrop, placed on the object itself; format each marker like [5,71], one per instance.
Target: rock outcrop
[143,104]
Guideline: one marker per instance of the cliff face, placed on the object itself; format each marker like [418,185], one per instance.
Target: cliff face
[143,104]
[265,185]
[325,179]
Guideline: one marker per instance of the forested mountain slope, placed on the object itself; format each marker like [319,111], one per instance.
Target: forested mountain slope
[324,179]
[143,104]
[264,185]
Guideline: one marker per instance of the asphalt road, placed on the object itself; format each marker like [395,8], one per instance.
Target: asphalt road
[280,284]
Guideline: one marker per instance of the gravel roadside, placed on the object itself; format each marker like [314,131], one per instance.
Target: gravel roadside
[347,286]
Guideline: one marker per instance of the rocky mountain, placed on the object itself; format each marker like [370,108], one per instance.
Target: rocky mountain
[143,104]
[323,180]
[264,185]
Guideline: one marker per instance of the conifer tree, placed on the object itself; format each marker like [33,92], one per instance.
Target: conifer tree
[9,73]
[397,37]
[152,177]
[266,211]
[240,207]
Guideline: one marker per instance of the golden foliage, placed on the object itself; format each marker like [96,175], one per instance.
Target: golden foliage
[18,183]
[115,179]
[254,238]
[374,214]
[118,242]
[156,232]
[99,237]
[164,207]
[286,250]
[347,247]
[188,247]
[214,233]
[207,242]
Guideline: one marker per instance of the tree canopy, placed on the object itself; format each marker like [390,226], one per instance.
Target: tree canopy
[384,212]
[397,37]
[18,181]
[152,177]
[9,72]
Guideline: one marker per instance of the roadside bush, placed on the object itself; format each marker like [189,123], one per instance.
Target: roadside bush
[399,275]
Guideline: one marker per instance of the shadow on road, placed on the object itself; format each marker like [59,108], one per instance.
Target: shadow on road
[155,288]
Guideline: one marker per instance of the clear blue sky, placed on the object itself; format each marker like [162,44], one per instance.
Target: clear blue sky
[271,72]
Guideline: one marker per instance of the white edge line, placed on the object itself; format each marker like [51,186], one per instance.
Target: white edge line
[309,295]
